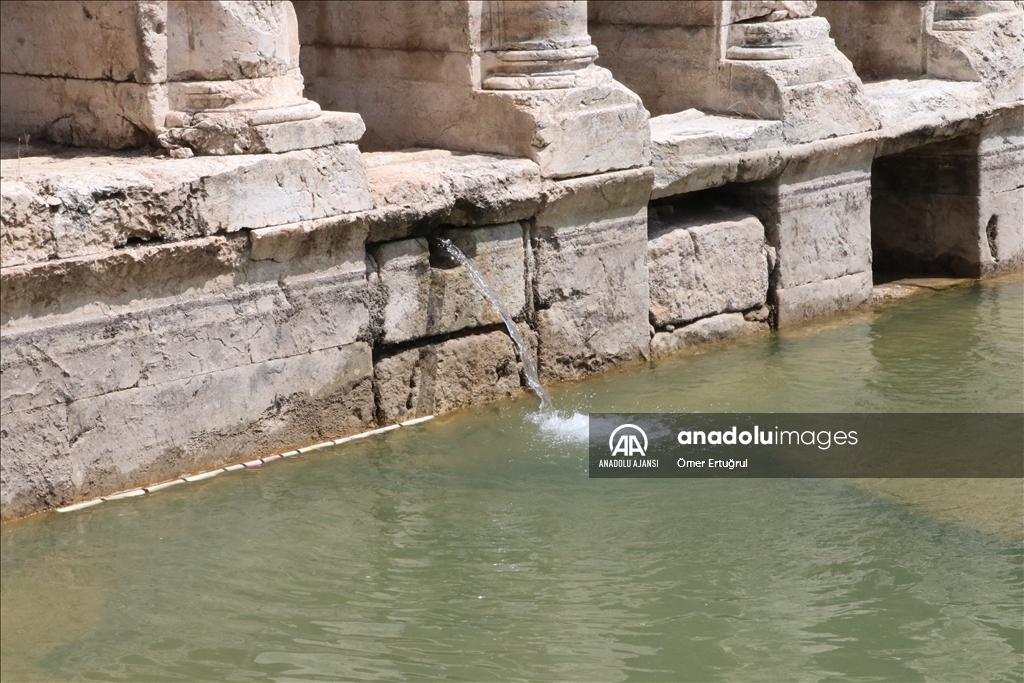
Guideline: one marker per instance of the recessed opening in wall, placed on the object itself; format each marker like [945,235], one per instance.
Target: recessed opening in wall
[926,214]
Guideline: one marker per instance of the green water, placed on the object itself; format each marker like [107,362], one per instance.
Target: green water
[474,547]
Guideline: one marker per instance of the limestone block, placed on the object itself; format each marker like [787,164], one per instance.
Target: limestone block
[417,300]
[93,284]
[92,39]
[692,151]
[438,26]
[822,298]
[140,435]
[440,377]
[591,292]
[986,47]
[704,262]
[916,112]
[216,40]
[82,113]
[35,470]
[821,227]
[227,134]
[423,188]
[186,337]
[87,204]
[596,127]
[705,331]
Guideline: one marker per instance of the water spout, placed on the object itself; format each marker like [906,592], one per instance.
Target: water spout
[529,365]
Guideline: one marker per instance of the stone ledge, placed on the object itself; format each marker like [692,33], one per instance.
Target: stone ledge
[705,331]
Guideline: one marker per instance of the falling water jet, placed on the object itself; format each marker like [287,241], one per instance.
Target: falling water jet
[529,365]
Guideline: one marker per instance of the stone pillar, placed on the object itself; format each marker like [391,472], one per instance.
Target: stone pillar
[514,78]
[234,85]
[204,77]
[519,79]
[978,40]
[765,59]
[817,216]
[883,39]
[954,207]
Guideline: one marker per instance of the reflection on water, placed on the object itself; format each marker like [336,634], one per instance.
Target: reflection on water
[475,547]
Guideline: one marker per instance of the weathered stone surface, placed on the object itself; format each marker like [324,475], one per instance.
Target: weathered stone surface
[822,298]
[82,113]
[139,435]
[63,206]
[511,79]
[440,377]
[188,336]
[820,226]
[705,262]
[705,331]
[978,41]
[882,39]
[772,64]
[92,40]
[416,299]
[589,245]
[228,134]
[416,189]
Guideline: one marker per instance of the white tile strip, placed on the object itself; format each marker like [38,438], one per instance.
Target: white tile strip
[80,506]
[126,494]
[134,493]
[416,421]
[203,475]
[167,484]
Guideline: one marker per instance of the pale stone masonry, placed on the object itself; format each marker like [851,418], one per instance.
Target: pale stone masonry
[218,217]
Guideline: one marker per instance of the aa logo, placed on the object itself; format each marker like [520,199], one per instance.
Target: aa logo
[628,443]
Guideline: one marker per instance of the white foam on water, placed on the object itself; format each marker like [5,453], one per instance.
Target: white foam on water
[563,428]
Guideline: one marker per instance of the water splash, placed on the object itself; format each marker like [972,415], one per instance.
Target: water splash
[564,428]
[529,365]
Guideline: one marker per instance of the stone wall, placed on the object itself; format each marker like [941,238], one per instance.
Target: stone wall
[202,263]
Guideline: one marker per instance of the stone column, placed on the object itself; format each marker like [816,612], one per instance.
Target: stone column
[514,78]
[234,85]
[978,40]
[766,59]
[204,77]
[518,79]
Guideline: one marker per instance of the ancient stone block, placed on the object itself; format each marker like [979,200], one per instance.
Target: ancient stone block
[182,337]
[414,188]
[93,40]
[418,300]
[705,262]
[590,285]
[440,377]
[87,204]
[822,298]
[705,331]
[35,470]
[139,435]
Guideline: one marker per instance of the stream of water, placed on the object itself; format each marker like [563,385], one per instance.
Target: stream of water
[487,289]
[475,547]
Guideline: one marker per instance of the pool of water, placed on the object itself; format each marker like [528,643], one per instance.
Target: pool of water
[474,547]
